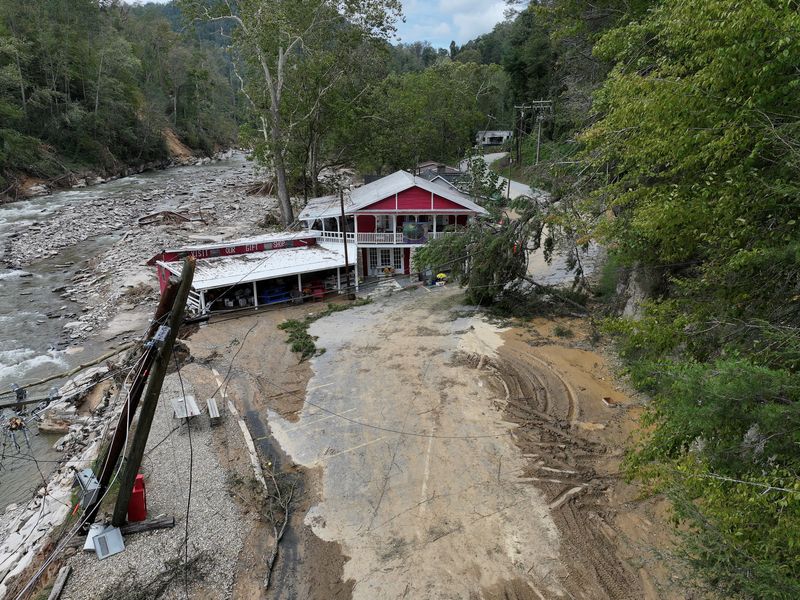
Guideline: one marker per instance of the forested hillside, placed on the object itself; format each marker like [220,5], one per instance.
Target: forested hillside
[676,146]
[88,85]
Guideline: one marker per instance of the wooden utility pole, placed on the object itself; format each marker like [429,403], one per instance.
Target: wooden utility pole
[133,459]
[538,137]
[541,110]
[131,403]
[344,240]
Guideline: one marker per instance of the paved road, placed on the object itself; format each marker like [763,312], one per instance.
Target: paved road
[517,188]
[421,481]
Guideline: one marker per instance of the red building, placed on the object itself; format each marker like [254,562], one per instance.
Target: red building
[388,218]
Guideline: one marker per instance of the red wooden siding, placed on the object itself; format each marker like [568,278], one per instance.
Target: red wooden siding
[414,198]
[385,204]
[407,260]
[439,202]
[366,223]
[461,219]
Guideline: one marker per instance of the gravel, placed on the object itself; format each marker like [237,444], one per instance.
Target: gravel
[216,526]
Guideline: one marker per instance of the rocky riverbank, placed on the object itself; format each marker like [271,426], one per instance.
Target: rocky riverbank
[116,293]
[114,278]
[85,411]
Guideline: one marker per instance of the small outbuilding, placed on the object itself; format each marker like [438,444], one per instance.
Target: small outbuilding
[495,137]
[269,269]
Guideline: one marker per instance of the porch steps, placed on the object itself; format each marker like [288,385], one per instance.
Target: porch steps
[382,287]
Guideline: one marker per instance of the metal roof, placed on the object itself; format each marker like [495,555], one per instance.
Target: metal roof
[268,237]
[495,132]
[224,271]
[399,181]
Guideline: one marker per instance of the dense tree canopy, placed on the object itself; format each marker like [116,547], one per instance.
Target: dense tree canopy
[697,143]
[684,132]
[88,84]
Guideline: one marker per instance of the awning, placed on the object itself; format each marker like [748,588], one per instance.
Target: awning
[224,271]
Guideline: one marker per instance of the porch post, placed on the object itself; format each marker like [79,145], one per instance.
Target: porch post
[323,225]
[338,279]
[355,228]
[355,269]
[255,295]
[299,284]
[434,226]
[202,301]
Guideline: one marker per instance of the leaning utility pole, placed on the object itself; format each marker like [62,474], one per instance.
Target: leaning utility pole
[131,403]
[133,459]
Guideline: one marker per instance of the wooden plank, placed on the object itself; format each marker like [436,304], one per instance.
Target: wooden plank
[61,581]
[213,411]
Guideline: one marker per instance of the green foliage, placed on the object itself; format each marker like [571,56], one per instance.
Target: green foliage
[562,331]
[482,184]
[304,343]
[414,57]
[742,537]
[690,171]
[428,115]
[88,86]
[485,257]
[529,58]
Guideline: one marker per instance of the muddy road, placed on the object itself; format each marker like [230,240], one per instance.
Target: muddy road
[443,456]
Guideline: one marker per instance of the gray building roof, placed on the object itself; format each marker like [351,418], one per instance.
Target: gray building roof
[399,181]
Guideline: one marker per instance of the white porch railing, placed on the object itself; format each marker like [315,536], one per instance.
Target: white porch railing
[380,238]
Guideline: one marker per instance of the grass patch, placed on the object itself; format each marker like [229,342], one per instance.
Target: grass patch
[562,331]
[303,342]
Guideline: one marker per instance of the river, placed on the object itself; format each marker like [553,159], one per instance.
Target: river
[33,312]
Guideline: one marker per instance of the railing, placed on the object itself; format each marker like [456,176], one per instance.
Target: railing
[335,235]
[381,238]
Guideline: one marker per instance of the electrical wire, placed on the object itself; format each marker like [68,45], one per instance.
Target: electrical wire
[189,493]
[355,421]
[418,434]
[82,521]
[90,384]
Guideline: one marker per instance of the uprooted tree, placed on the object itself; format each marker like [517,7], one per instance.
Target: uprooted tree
[277,41]
[484,257]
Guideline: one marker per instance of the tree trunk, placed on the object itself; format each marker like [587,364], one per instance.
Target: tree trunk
[97,91]
[315,165]
[287,215]
[21,86]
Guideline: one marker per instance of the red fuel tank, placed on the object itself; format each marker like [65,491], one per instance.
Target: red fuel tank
[137,508]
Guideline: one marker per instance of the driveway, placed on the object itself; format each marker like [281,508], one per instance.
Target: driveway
[421,479]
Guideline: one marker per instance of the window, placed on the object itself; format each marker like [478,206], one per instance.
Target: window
[373,259]
[383,222]
[398,259]
[386,257]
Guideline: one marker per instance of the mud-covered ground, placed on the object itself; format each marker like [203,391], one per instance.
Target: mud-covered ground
[436,454]
[442,456]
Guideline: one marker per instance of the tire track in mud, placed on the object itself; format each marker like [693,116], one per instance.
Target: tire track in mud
[562,463]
